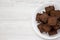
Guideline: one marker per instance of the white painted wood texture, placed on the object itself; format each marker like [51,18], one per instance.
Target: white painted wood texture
[16,20]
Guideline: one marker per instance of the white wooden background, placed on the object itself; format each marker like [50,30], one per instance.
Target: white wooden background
[16,19]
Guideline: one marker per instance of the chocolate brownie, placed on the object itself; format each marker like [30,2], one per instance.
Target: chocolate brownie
[40,27]
[49,8]
[55,13]
[52,21]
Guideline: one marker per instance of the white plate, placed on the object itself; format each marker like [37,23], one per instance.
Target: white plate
[40,9]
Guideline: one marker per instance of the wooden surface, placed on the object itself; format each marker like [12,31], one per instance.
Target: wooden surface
[16,21]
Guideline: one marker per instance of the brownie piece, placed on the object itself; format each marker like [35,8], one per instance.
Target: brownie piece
[44,17]
[49,8]
[46,28]
[55,13]
[58,19]
[52,32]
[56,27]
[52,21]
[40,27]
[38,17]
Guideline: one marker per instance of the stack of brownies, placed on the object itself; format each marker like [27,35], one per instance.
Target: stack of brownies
[49,21]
